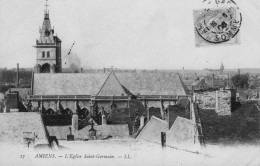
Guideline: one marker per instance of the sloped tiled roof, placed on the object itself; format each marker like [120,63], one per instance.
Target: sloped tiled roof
[188,82]
[90,84]
[67,84]
[13,126]
[112,87]
[152,130]
[182,134]
[219,82]
[195,82]
[153,83]
[183,102]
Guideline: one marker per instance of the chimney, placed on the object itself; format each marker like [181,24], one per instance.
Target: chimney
[213,81]
[228,82]
[141,122]
[163,139]
[148,114]
[194,98]
[70,137]
[104,120]
[216,101]
[17,76]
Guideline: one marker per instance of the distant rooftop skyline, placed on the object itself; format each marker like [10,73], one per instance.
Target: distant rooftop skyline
[130,34]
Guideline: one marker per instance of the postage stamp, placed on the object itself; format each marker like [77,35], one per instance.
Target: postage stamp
[218,25]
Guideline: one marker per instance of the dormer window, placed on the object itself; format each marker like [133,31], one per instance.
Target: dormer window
[43,54]
[48,54]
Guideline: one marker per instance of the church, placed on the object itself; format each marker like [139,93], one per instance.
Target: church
[105,99]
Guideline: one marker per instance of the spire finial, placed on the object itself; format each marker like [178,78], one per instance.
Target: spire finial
[46,5]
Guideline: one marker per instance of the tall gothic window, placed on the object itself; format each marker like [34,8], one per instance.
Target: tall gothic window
[43,54]
[48,54]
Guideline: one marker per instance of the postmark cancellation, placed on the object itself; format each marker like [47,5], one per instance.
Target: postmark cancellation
[217,25]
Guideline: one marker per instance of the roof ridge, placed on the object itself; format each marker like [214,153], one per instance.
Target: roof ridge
[103,84]
[121,86]
[156,118]
[184,86]
[119,82]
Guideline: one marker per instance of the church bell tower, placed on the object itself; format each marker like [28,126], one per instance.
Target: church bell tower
[48,48]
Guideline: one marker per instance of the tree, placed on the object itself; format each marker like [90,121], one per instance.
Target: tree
[240,80]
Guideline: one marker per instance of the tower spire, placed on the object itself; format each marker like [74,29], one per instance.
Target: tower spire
[46,6]
[48,47]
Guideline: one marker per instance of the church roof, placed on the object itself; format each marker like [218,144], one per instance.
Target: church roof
[153,83]
[112,87]
[67,83]
[101,84]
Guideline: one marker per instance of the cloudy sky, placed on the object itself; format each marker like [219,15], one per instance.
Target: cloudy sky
[151,34]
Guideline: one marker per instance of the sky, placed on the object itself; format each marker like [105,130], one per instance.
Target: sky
[128,34]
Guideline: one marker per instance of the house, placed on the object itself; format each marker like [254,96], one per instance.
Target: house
[182,134]
[197,85]
[215,83]
[219,83]
[200,85]
[23,127]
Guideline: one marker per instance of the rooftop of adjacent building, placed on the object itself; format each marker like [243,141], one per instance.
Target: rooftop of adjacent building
[17,125]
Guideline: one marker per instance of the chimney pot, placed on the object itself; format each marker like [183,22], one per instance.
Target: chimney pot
[17,75]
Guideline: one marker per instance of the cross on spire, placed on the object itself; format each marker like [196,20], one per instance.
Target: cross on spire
[46,5]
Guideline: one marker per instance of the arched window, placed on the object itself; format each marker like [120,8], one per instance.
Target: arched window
[46,68]
[48,54]
[43,54]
